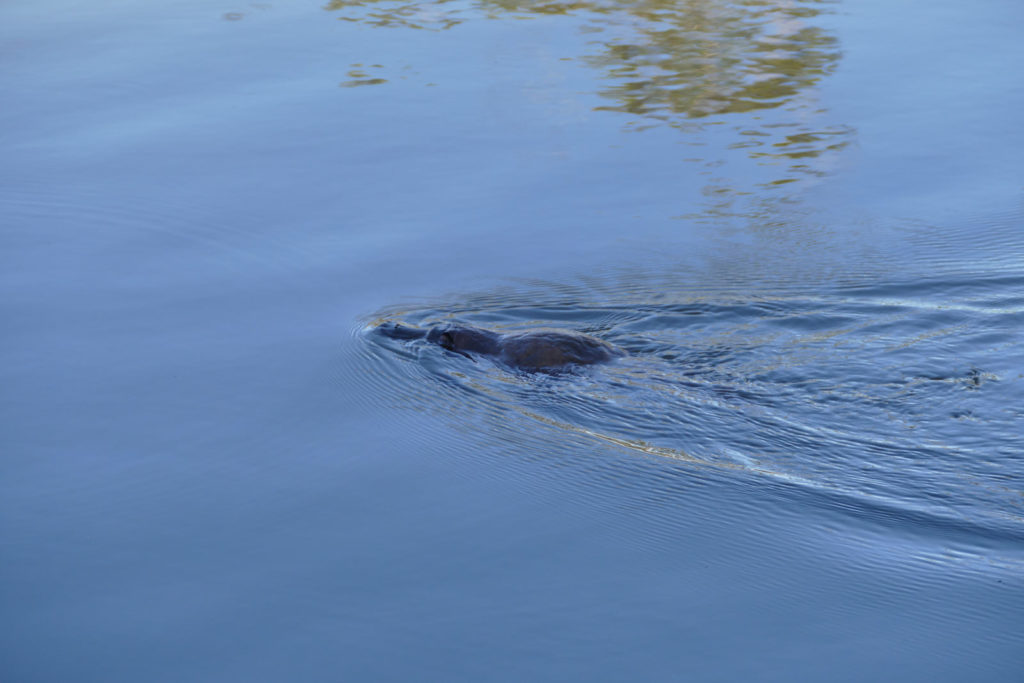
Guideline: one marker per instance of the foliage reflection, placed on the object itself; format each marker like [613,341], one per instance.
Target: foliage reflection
[682,63]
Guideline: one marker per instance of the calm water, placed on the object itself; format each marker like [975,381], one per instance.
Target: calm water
[803,221]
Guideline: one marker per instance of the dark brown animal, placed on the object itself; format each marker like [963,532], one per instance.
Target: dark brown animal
[541,350]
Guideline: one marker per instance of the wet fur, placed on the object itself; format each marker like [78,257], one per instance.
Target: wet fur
[541,350]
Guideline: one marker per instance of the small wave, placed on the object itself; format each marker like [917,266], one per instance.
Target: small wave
[900,396]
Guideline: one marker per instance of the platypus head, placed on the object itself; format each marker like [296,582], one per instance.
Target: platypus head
[464,339]
[400,331]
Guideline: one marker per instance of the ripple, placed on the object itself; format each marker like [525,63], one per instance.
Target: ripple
[897,400]
[86,219]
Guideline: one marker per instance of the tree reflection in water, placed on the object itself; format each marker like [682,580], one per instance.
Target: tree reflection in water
[684,63]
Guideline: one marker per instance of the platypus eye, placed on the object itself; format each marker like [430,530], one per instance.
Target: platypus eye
[446,341]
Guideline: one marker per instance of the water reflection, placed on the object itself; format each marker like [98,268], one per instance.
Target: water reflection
[690,64]
[699,58]
[433,15]
[361,75]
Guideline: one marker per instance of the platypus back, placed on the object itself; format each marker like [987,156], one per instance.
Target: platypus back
[531,351]
[551,349]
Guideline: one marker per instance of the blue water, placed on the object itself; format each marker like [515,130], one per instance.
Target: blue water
[802,222]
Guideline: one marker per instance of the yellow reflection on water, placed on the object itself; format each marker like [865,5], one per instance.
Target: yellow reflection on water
[754,64]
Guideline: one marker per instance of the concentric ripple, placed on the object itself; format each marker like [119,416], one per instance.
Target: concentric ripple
[904,396]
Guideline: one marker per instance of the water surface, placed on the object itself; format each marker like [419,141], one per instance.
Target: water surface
[801,220]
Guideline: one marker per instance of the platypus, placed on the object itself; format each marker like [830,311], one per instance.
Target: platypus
[531,351]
